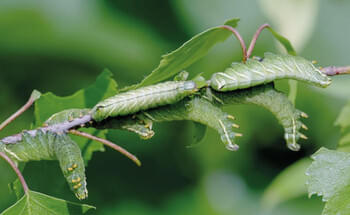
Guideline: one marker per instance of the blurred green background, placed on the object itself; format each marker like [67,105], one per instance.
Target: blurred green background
[62,46]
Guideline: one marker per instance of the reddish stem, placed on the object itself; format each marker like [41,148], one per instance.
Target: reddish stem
[240,39]
[333,70]
[255,38]
[109,144]
[19,174]
[18,113]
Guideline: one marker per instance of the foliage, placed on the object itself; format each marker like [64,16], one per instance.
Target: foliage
[170,65]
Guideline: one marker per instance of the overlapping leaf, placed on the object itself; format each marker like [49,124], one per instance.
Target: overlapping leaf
[191,51]
[38,203]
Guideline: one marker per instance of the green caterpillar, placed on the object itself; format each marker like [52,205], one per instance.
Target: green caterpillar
[274,101]
[273,67]
[143,98]
[46,145]
[129,124]
[195,109]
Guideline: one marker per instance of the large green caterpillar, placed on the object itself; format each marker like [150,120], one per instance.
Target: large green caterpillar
[195,109]
[274,101]
[273,67]
[46,145]
[143,98]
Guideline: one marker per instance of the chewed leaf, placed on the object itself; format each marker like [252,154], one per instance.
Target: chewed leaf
[38,203]
[50,104]
[272,67]
[191,51]
[329,173]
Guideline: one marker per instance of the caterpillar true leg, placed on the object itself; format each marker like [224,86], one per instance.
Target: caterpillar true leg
[199,110]
[274,101]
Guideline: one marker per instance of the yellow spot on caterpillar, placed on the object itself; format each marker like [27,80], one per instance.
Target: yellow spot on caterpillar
[238,135]
[70,169]
[82,125]
[302,136]
[314,61]
[235,125]
[77,186]
[76,180]
[304,115]
[74,166]
[304,127]
[231,117]
[91,122]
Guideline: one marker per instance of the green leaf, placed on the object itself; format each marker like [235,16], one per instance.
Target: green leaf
[329,173]
[289,184]
[284,41]
[343,119]
[191,51]
[339,204]
[50,104]
[34,203]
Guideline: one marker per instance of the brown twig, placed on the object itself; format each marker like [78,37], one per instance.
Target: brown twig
[19,174]
[240,39]
[333,70]
[107,143]
[19,112]
[255,38]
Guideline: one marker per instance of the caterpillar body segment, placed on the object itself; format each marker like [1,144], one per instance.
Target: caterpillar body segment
[31,148]
[277,103]
[272,67]
[198,110]
[72,164]
[143,98]
[46,145]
